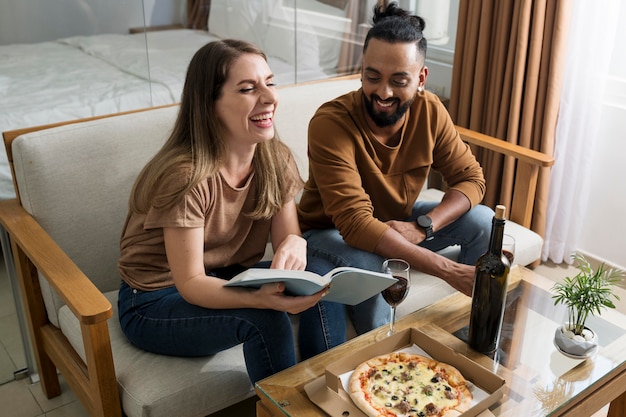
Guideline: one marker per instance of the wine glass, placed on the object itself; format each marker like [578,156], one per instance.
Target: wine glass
[397,292]
[508,247]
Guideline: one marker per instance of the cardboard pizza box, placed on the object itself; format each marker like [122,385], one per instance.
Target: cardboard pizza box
[327,392]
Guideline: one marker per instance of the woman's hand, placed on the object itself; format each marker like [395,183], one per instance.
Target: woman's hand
[185,255]
[289,247]
[273,296]
[290,254]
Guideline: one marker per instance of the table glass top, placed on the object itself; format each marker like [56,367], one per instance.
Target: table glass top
[549,379]
[540,381]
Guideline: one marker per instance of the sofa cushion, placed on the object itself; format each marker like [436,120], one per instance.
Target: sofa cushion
[152,387]
[78,178]
[296,106]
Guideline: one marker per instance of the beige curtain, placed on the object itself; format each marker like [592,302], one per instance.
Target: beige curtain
[352,46]
[508,66]
[198,14]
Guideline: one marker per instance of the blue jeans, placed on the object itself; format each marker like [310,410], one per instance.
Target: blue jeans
[163,322]
[325,322]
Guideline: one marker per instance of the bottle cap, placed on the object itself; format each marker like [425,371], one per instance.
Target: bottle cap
[500,212]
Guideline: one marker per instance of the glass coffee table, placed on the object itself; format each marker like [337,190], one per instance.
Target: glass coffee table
[540,381]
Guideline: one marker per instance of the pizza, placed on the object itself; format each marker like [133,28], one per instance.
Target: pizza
[405,384]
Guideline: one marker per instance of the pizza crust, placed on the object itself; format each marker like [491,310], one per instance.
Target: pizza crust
[359,399]
[399,370]
[452,413]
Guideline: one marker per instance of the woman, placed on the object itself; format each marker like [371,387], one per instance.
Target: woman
[202,210]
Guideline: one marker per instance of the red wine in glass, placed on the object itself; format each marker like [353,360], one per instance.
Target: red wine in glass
[398,291]
[509,255]
[395,294]
[508,247]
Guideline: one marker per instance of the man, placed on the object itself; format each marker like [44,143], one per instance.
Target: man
[370,152]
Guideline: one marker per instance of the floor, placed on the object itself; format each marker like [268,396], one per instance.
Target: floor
[21,398]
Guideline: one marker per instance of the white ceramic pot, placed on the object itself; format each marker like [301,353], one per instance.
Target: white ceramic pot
[575,345]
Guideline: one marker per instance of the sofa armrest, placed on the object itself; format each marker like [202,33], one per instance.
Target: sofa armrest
[529,162]
[85,300]
[36,254]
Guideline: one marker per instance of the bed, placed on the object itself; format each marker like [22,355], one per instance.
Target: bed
[85,76]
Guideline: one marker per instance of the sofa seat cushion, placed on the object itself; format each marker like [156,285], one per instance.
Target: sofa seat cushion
[153,387]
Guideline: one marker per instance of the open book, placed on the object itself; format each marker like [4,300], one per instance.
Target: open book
[347,285]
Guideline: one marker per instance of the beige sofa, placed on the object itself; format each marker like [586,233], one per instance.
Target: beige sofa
[73,183]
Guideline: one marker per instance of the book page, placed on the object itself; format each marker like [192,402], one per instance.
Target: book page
[352,286]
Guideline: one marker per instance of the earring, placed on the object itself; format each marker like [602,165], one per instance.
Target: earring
[420,89]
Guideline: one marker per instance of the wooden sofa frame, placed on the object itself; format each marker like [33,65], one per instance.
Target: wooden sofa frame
[94,380]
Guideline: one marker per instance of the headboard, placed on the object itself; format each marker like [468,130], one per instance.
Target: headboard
[325,38]
[198,11]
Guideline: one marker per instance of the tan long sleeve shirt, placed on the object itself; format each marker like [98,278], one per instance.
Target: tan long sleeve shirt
[356,183]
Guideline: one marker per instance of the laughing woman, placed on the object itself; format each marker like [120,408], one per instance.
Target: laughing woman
[202,210]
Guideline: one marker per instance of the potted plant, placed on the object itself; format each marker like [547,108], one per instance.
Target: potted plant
[587,293]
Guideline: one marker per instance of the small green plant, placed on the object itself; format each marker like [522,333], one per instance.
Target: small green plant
[588,292]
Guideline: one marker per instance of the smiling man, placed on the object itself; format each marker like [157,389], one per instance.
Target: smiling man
[370,152]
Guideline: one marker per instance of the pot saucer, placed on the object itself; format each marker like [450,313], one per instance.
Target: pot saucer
[572,356]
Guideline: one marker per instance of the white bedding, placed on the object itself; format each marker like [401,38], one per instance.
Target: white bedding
[50,82]
[86,76]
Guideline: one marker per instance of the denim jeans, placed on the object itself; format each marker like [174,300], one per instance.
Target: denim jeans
[327,250]
[163,322]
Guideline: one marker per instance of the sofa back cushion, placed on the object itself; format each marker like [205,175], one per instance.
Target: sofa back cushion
[76,179]
[296,106]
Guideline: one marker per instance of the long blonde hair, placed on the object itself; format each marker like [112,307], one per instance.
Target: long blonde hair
[197,139]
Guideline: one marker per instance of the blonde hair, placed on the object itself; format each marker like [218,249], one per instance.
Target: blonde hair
[197,140]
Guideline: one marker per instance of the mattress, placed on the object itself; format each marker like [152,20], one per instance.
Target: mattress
[86,76]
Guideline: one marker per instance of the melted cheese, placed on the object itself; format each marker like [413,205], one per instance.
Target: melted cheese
[409,390]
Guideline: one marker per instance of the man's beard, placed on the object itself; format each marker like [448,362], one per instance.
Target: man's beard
[385,119]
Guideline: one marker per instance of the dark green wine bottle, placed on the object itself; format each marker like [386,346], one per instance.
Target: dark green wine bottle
[489,293]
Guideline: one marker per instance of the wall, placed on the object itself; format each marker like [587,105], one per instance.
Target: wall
[27,21]
[441,39]
[604,231]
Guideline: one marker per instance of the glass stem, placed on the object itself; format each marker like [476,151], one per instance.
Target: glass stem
[392,319]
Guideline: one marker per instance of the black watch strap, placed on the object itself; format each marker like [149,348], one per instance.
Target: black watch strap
[426,223]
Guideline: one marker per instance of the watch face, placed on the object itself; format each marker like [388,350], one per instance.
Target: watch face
[424,221]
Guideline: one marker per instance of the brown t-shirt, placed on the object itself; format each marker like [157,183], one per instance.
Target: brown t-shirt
[230,238]
[356,183]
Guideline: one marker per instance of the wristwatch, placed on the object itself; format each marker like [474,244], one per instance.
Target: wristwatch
[426,223]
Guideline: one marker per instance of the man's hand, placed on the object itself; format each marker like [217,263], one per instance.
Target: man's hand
[399,242]
[461,278]
[408,230]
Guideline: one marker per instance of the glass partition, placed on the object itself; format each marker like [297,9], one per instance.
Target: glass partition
[54,67]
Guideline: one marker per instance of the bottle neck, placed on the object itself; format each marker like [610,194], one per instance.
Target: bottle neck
[497,234]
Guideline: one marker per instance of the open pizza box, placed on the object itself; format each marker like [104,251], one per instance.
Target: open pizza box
[328,391]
